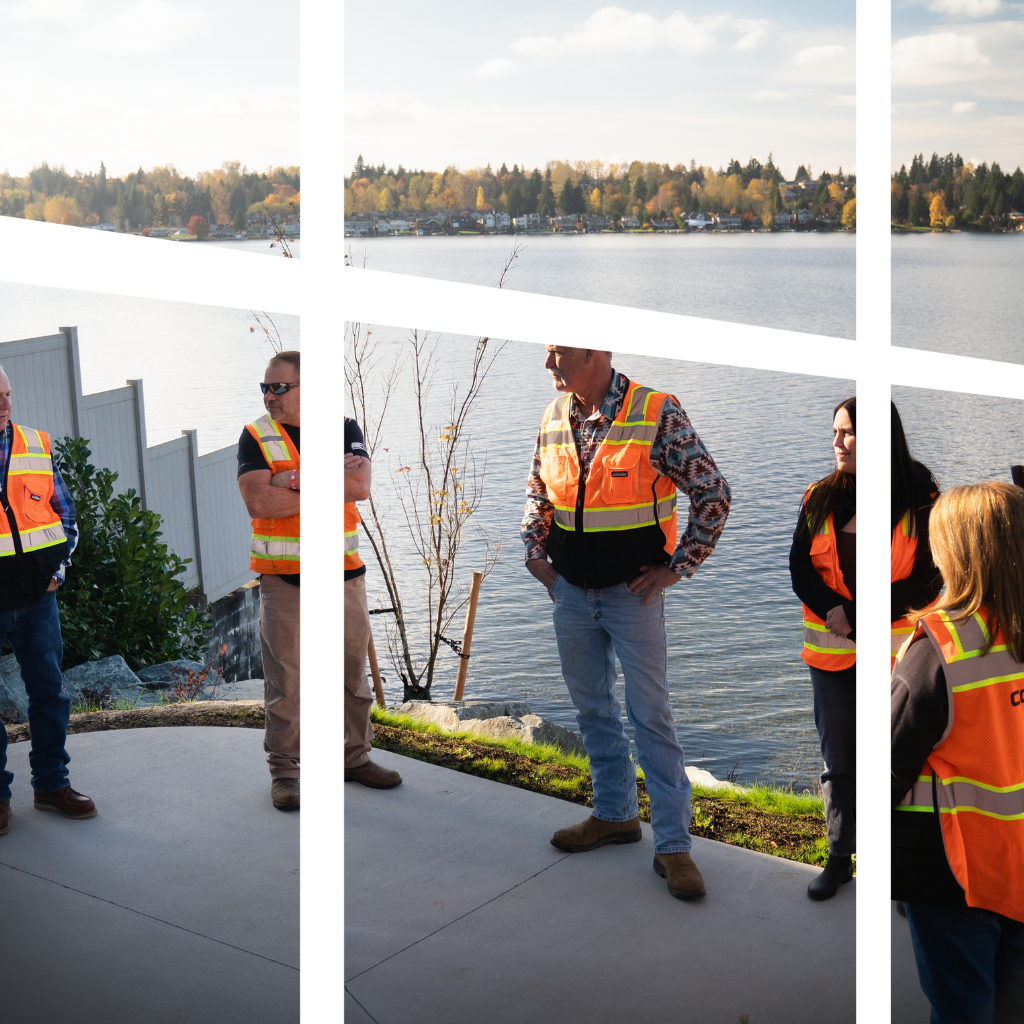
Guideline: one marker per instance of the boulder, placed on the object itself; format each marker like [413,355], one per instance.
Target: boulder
[448,714]
[13,698]
[702,777]
[108,674]
[160,677]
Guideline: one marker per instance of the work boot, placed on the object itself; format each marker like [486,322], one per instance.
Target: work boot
[685,881]
[838,871]
[65,801]
[376,776]
[592,833]
[285,794]
[5,817]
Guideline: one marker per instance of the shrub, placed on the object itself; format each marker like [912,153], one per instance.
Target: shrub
[122,595]
[198,227]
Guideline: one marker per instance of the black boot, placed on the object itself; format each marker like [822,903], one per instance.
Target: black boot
[838,871]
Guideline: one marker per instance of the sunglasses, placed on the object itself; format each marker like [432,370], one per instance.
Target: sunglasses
[278,389]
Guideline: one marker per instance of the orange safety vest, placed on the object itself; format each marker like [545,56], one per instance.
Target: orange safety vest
[623,491]
[352,521]
[29,490]
[823,649]
[275,542]
[903,552]
[974,776]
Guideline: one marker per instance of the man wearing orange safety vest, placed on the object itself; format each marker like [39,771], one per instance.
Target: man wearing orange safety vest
[37,535]
[600,533]
[358,695]
[268,479]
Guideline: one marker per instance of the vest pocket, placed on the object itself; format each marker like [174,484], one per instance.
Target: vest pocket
[620,477]
[37,508]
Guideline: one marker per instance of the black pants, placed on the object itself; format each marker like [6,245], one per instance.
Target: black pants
[835,717]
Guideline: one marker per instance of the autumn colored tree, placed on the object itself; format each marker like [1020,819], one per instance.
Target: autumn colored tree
[595,200]
[937,210]
[198,227]
[62,210]
[850,214]
[480,201]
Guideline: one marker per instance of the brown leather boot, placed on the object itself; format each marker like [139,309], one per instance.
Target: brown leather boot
[592,833]
[65,801]
[285,794]
[5,817]
[685,882]
[376,776]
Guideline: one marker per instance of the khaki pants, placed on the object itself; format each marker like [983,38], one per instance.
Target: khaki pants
[279,642]
[358,693]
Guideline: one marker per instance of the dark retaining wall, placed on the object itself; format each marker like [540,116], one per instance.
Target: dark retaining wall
[236,623]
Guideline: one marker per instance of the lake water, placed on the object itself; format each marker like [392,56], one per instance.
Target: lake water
[797,281]
[958,293]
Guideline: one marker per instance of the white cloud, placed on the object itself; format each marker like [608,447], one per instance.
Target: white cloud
[937,59]
[769,95]
[844,100]
[612,31]
[149,26]
[54,13]
[813,56]
[494,68]
[964,107]
[965,8]
[383,110]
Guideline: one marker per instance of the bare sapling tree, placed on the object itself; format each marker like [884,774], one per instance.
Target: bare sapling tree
[434,496]
[265,323]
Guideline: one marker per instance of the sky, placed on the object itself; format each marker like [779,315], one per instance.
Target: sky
[958,80]
[148,82]
[668,82]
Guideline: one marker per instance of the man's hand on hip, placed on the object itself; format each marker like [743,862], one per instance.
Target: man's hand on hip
[652,579]
[541,568]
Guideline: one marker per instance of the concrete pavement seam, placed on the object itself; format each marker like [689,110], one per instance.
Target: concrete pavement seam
[455,920]
[159,920]
[359,1004]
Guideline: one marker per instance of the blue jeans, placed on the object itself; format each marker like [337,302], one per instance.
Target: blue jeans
[592,627]
[34,633]
[835,716]
[970,962]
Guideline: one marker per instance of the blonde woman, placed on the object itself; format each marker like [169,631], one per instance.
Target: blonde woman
[958,762]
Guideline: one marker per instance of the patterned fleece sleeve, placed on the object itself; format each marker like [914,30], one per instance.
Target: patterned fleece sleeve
[679,454]
[539,511]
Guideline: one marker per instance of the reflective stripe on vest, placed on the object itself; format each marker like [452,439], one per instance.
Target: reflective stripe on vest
[352,521]
[274,548]
[29,498]
[823,649]
[978,763]
[903,551]
[618,489]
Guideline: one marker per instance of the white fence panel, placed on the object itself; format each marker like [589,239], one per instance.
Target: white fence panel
[108,421]
[225,526]
[169,487]
[203,515]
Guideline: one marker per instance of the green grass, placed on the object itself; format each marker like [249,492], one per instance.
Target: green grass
[771,799]
[85,707]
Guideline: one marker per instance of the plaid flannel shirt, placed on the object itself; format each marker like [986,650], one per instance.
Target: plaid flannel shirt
[61,502]
[677,452]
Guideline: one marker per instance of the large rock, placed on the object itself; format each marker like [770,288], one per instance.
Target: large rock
[505,720]
[13,698]
[110,677]
[160,677]
[702,777]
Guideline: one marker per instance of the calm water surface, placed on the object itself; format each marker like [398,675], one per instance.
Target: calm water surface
[958,293]
[798,281]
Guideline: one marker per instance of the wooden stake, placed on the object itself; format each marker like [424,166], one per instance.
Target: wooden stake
[467,634]
[378,689]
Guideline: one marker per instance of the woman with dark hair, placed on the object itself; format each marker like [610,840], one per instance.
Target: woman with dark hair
[916,581]
[823,565]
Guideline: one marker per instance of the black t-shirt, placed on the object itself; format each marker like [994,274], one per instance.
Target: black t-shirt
[251,457]
[355,444]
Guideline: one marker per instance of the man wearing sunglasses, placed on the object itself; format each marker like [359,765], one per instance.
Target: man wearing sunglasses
[268,478]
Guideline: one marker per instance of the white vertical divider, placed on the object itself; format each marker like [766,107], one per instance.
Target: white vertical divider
[873,445]
[322,829]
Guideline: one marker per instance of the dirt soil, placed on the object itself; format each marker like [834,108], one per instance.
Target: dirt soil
[794,837]
[245,714]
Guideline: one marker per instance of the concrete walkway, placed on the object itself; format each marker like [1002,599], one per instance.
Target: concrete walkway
[459,910]
[178,902]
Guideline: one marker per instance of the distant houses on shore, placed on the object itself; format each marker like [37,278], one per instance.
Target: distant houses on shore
[462,222]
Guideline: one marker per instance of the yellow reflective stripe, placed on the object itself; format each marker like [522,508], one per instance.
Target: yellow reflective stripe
[918,797]
[6,545]
[33,440]
[1012,677]
[43,537]
[41,465]
[271,439]
[818,638]
[275,548]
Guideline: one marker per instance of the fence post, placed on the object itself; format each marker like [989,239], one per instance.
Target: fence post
[141,443]
[467,634]
[193,472]
[74,379]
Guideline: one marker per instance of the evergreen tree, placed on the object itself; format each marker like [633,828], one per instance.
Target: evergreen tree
[533,191]
[546,206]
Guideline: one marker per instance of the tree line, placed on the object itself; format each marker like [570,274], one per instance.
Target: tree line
[645,190]
[159,197]
[944,192]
